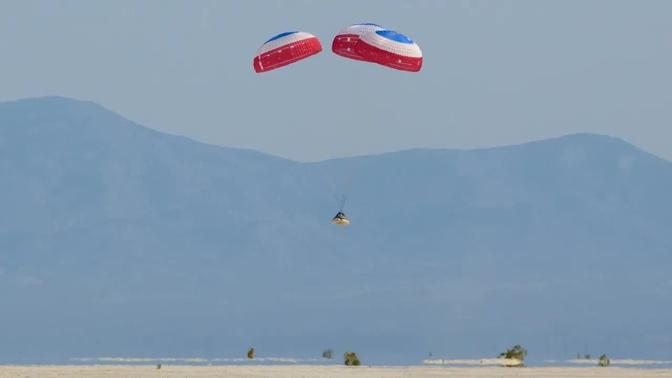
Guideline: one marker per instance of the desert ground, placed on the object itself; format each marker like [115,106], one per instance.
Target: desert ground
[94,371]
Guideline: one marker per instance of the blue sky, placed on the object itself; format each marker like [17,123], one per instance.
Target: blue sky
[495,72]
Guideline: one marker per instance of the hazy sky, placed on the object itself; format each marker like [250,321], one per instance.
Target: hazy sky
[495,72]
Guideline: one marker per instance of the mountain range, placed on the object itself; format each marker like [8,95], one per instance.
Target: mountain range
[119,240]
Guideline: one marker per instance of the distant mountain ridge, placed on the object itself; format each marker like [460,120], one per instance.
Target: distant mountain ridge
[118,240]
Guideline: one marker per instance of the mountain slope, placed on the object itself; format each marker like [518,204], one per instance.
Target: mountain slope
[119,240]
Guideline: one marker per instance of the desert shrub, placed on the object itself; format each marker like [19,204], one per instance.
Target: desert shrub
[351,359]
[604,361]
[516,352]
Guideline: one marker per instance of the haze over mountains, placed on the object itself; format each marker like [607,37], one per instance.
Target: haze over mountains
[118,240]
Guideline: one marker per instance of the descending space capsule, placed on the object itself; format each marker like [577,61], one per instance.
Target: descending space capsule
[340,219]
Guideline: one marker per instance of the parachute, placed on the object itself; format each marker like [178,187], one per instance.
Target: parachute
[285,48]
[390,48]
[364,42]
[374,44]
[345,41]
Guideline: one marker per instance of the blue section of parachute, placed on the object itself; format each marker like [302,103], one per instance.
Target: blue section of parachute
[281,35]
[394,36]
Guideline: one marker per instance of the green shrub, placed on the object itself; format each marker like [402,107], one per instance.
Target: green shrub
[604,361]
[351,359]
[517,352]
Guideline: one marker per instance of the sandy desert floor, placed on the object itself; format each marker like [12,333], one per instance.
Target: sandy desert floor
[322,371]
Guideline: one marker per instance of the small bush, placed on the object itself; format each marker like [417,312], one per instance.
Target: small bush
[514,356]
[604,361]
[351,359]
[516,352]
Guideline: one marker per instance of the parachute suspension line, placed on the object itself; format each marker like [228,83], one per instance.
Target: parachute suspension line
[342,202]
[339,194]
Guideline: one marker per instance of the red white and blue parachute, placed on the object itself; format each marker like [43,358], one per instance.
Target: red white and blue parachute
[375,44]
[365,42]
[390,48]
[346,40]
[285,48]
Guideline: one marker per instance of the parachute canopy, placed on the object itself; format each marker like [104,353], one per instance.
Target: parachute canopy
[340,219]
[390,48]
[345,41]
[285,48]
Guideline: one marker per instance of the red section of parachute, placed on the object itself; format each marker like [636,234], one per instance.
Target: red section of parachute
[344,45]
[286,54]
[374,54]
